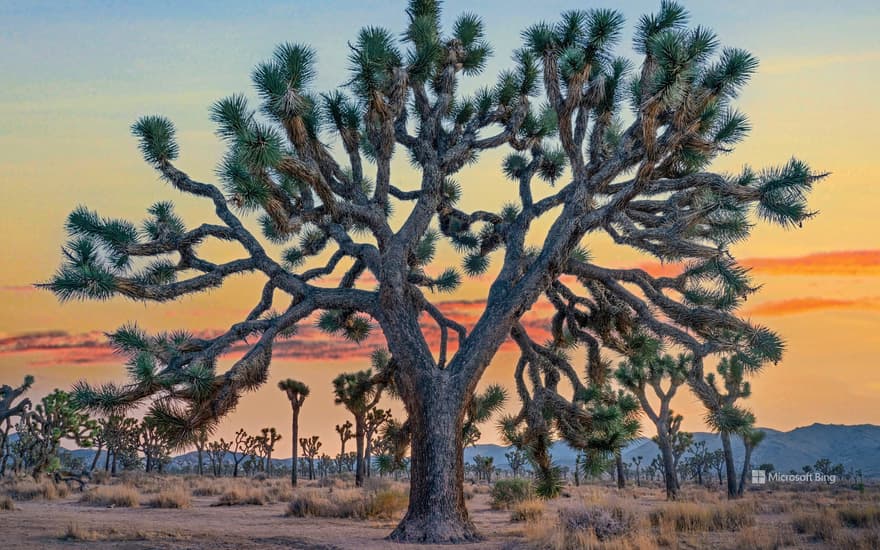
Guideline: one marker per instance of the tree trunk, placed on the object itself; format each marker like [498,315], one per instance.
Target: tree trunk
[359,458]
[669,474]
[368,451]
[436,512]
[294,428]
[201,471]
[621,475]
[745,471]
[107,460]
[729,465]
[95,459]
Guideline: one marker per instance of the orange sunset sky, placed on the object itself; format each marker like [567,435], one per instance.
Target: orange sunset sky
[76,75]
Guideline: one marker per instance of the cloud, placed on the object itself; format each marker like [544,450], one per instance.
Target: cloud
[796,306]
[844,263]
[23,289]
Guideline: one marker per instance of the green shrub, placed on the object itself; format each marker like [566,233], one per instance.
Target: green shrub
[507,492]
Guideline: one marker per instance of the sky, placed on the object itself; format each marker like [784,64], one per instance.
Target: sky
[75,75]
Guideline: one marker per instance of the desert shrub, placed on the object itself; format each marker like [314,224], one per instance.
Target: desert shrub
[123,496]
[469,492]
[822,525]
[860,516]
[7,504]
[280,492]
[333,482]
[28,489]
[348,503]
[527,510]
[507,492]
[209,488]
[177,497]
[605,522]
[75,532]
[242,495]
[692,517]
[755,538]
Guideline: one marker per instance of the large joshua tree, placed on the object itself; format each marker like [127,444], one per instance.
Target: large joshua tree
[577,159]
[296,392]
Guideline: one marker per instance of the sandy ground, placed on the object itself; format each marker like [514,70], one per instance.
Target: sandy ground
[41,524]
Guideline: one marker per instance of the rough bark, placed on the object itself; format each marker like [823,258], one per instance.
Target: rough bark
[437,512]
[729,465]
[294,429]
[621,476]
[669,474]
[359,447]
[745,470]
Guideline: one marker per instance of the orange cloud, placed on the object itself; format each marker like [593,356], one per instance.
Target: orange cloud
[795,306]
[843,263]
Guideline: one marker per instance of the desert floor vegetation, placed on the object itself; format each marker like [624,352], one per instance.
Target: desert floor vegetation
[169,511]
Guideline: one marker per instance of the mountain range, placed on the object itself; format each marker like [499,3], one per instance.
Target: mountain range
[856,447]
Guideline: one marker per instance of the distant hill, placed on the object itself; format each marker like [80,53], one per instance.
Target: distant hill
[856,447]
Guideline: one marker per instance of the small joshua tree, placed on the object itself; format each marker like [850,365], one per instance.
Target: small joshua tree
[751,438]
[296,392]
[268,438]
[345,434]
[516,459]
[724,415]
[310,447]
[647,371]
[374,420]
[573,161]
[217,451]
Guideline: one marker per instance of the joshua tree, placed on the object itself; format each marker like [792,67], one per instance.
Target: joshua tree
[516,459]
[152,443]
[9,409]
[241,448]
[372,422]
[41,430]
[268,438]
[344,431]
[484,466]
[699,460]
[751,438]
[217,451]
[359,392]
[637,462]
[201,442]
[647,371]
[723,414]
[646,184]
[310,447]
[296,392]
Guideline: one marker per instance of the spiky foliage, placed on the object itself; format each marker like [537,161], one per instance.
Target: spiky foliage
[481,409]
[12,408]
[645,183]
[41,430]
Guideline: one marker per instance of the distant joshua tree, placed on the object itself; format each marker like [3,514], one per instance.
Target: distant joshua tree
[345,434]
[751,438]
[310,447]
[578,166]
[374,420]
[268,438]
[296,392]
[516,459]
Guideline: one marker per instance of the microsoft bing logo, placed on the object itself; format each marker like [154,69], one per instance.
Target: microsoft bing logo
[759,477]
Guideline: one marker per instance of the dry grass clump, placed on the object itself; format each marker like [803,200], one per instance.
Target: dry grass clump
[822,525]
[243,495]
[860,516]
[527,510]
[122,496]
[692,517]
[176,497]
[858,540]
[6,504]
[507,492]
[605,522]
[348,503]
[209,487]
[75,532]
[764,538]
[28,489]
